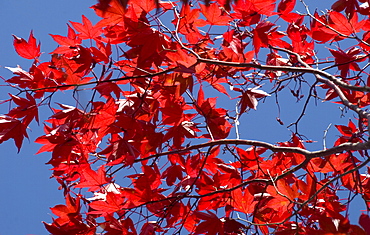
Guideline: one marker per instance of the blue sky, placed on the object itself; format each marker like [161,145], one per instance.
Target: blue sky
[26,192]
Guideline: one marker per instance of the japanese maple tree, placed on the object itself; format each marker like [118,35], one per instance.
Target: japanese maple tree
[161,146]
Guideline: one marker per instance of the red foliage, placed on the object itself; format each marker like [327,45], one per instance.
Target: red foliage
[155,146]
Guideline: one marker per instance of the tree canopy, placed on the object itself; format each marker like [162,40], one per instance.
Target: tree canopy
[162,144]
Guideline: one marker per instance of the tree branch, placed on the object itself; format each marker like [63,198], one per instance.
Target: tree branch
[308,154]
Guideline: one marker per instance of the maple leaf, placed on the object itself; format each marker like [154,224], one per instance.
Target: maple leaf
[364,221]
[348,133]
[71,40]
[150,228]
[27,108]
[251,10]
[103,114]
[178,133]
[119,226]
[28,50]
[215,117]
[214,15]
[69,220]
[106,88]
[284,10]
[265,7]
[24,78]
[179,56]
[211,224]
[172,173]
[298,35]
[145,5]
[286,6]
[347,130]
[248,158]
[320,32]
[112,203]
[246,12]
[340,225]
[249,98]
[344,25]
[188,22]
[349,6]
[66,212]
[242,202]
[86,29]
[92,179]
[113,13]
[231,226]
[102,53]
[347,60]
[150,179]
[260,35]
[11,128]
[120,151]
[36,77]
[288,190]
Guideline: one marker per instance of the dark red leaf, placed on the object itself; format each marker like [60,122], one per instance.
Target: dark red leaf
[11,128]
[364,221]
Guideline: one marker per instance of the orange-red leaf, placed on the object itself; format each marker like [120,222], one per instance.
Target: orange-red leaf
[214,15]
[343,25]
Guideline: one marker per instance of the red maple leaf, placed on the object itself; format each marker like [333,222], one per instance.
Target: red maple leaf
[112,12]
[11,128]
[86,29]
[68,44]
[349,6]
[112,203]
[66,212]
[106,88]
[265,7]
[344,25]
[286,6]
[102,53]
[249,98]
[211,224]
[70,41]
[347,60]
[92,179]
[69,220]
[179,56]
[149,5]
[119,226]
[172,173]
[318,31]
[27,108]
[364,221]
[214,15]
[260,35]
[28,50]
[215,117]
[103,114]
[150,179]
[348,133]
